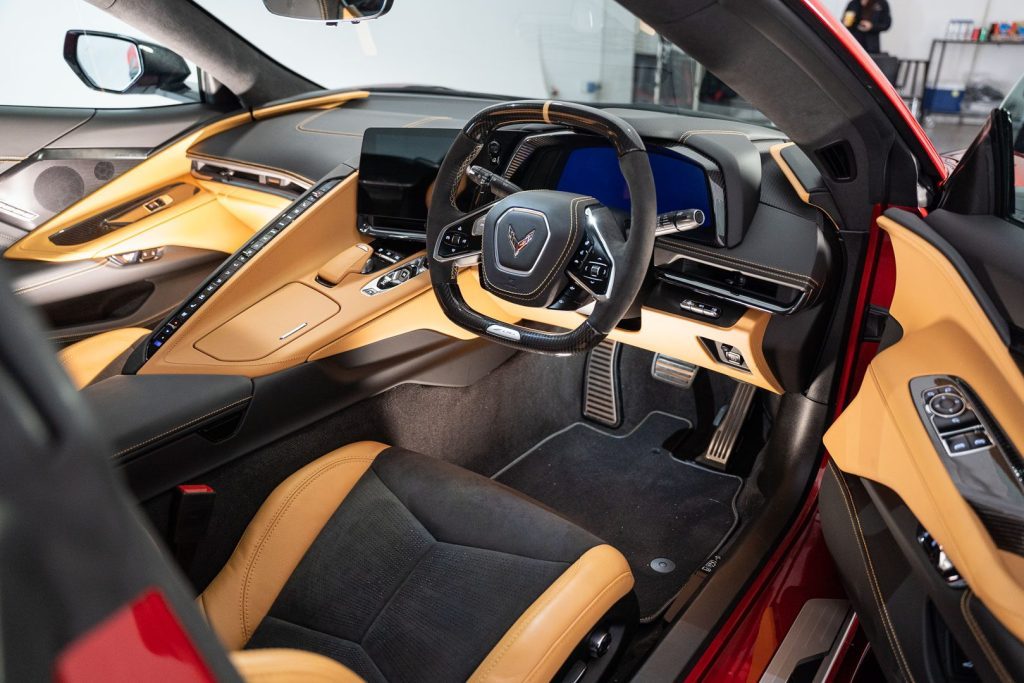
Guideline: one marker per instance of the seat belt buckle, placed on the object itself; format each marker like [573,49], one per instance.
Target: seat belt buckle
[192,512]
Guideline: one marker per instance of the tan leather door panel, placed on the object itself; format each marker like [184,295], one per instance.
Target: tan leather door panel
[881,436]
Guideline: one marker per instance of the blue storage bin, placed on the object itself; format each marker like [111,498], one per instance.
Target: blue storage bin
[943,100]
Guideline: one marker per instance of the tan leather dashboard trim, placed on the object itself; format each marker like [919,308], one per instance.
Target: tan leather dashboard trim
[880,435]
[660,332]
[798,187]
[329,228]
[541,640]
[320,102]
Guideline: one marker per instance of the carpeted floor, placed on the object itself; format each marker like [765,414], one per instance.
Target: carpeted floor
[629,491]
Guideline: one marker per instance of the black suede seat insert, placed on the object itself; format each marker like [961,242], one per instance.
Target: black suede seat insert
[420,572]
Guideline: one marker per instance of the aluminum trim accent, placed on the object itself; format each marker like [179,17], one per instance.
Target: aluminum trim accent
[503,332]
[292,331]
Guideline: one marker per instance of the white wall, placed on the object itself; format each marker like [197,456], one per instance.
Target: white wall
[34,72]
[530,48]
[916,22]
[533,48]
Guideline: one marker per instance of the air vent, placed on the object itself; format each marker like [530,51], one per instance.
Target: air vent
[238,174]
[837,159]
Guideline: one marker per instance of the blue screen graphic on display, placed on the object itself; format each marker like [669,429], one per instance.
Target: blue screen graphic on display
[595,171]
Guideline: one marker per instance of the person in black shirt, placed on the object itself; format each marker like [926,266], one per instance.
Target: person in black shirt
[866,19]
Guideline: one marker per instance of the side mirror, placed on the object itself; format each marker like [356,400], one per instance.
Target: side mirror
[120,64]
[331,11]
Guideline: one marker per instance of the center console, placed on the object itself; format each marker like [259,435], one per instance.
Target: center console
[234,263]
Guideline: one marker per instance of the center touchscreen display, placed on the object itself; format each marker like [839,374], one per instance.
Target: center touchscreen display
[397,169]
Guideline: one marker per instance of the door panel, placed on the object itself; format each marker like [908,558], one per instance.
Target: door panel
[951,328]
[29,129]
[83,298]
[51,158]
[920,626]
[111,229]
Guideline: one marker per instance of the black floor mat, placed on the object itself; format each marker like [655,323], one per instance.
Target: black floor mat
[633,494]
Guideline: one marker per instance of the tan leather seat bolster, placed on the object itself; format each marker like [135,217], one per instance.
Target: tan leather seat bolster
[542,639]
[290,666]
[277,538]
[85,360]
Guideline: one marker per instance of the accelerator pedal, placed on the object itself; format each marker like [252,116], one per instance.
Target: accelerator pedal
[601,395]
[728,431]
[673,371]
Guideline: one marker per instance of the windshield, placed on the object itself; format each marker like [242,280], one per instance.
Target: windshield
[590,51]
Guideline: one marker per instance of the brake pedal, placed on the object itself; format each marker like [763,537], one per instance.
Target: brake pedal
[601,397]
[673,371]
[724,439]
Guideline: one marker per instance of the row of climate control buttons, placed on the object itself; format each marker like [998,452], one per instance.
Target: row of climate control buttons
[700,308]
[235,263]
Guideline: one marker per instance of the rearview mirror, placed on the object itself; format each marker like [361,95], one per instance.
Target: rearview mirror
[331,11]
[120,64]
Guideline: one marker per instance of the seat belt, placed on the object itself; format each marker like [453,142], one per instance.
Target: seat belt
[190,520]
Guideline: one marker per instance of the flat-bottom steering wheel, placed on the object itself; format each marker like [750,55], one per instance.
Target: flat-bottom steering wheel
[533,244]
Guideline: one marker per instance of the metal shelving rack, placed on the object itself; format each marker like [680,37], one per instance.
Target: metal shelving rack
[931,77]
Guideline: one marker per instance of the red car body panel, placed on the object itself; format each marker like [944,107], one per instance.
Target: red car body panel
[142,641]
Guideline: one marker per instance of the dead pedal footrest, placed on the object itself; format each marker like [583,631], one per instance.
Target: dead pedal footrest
[601,397]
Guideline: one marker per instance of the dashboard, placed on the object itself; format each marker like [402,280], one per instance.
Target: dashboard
[397,168]
[742,293]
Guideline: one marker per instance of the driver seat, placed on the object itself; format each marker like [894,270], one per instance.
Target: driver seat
[403,567]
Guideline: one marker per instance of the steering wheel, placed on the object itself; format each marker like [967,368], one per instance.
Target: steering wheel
[532,245]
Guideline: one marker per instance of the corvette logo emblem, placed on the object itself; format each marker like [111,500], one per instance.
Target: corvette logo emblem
[519,244]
